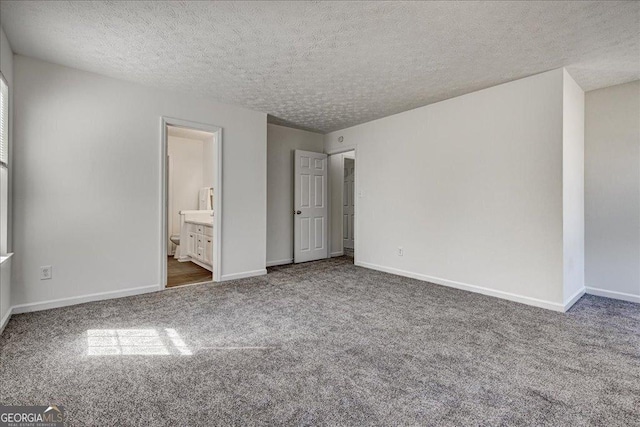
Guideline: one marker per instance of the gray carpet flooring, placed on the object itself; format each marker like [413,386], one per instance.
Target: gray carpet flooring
[326,343]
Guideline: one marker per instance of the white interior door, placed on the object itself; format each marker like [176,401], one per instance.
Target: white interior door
[348,203]
[310,206]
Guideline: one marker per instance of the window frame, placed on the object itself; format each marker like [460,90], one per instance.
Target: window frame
[5,220]
[4,80]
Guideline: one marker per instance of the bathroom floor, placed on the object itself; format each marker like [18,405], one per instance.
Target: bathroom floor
[184,273]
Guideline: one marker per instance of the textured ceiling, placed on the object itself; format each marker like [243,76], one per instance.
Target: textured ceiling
[330,65]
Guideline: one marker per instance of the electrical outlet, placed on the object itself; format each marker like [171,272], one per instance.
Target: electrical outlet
[45,272]
[400,251]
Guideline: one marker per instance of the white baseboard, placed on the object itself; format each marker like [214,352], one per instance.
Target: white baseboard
[613,294]
[279,262]
[574,298]
[549,305]
[339,253]
[243,275]
[63,302]
[5,319]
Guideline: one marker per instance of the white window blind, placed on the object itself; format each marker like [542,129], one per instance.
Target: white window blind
[4,123]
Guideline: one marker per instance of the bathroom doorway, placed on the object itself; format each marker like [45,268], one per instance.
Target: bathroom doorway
[191,176]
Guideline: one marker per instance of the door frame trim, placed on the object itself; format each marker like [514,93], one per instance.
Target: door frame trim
[164,194]
[356,233]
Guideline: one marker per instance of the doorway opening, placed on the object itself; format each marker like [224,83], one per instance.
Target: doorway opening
[348,204]
[191,170]
[342,171]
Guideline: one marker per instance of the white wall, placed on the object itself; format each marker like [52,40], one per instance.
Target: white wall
[281,144]
[6,67]
[87,183]
[471,188]
[612,191]
[186,172]
[573,187]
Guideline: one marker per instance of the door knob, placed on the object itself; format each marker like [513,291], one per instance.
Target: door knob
[297,212]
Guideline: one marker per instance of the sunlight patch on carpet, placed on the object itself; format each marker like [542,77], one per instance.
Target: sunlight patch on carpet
[127,342]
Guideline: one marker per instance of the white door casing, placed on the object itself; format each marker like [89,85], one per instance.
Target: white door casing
[217,196]
[348,204]
[310,206]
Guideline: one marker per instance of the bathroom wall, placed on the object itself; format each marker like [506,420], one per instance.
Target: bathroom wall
[186,172]
[208,162]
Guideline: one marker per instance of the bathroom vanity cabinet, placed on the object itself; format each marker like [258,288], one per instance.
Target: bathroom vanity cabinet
[199,244]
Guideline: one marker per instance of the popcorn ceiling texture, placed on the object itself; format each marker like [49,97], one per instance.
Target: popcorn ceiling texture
[327,66]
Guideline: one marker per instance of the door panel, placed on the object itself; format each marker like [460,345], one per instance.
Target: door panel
[319,231]
[305,191]
[345,227]
[192,245]
[208,250]
[310,206]
[305,234]
[319,191]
